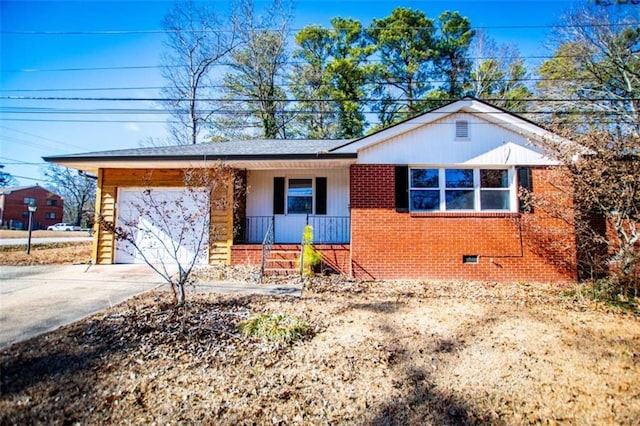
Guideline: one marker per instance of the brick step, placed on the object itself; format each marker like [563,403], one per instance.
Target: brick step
[281,264]
[281,271]
[284,253]
[283,260]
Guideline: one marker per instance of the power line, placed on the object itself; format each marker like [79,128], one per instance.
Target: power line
[41,137]
[267,29]
[222,100]
[281,84]
[32,178]
[21,162]
[228,64]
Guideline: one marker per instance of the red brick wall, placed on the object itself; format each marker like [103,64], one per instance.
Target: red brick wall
[14,208]
[386,244]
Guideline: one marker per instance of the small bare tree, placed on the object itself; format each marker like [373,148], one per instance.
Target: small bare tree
[198,39]
[598,192]
[171,231]
[78,191]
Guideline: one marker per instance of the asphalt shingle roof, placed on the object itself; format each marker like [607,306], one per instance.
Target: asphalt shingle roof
[242,148]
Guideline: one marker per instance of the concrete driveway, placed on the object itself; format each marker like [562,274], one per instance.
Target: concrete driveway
[38,299]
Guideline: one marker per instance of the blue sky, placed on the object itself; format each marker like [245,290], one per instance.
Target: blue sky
[36,60]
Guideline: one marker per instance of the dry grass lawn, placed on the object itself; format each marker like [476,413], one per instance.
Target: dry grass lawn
[381,353]
[5,233]
[392,353]
[46,254]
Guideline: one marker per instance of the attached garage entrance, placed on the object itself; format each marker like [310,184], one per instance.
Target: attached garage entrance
[164,225]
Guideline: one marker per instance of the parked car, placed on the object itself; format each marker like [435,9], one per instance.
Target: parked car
[63,227]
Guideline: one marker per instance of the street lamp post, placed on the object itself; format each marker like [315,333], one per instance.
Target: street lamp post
[32,210]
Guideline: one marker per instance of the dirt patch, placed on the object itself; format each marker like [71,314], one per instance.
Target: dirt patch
[382,353]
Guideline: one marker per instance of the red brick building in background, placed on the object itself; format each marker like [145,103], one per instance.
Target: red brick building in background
[14,203]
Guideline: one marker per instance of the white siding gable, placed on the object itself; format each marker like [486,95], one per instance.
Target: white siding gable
[436,143]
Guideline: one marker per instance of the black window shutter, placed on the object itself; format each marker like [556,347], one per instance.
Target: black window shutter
[524,182]
[402,188]
[321,195]
[278,195]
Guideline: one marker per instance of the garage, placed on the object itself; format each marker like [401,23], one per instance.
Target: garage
[163,225]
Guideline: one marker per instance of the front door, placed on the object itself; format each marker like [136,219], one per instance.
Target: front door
[296,203]
[288,228]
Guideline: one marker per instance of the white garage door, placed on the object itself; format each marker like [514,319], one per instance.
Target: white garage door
[164,225]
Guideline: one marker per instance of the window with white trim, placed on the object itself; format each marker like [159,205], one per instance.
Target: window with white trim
[494,189]
[300,196]
[460,189]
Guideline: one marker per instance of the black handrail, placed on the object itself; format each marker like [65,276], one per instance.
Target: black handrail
[267,244]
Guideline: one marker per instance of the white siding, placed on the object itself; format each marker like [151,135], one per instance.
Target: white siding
[435,143]
[289,227]
[260,189]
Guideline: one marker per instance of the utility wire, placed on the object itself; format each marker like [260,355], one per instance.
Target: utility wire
[285,84]
[14,161]
[41,137]
[225,30]
[229,64]
[222,100]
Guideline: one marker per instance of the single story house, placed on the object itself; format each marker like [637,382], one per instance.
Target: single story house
[435,196]
[15,202]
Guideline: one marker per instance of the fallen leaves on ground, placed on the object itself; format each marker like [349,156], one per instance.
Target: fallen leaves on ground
[382,353]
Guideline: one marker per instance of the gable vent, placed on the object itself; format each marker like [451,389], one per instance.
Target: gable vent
[462,129]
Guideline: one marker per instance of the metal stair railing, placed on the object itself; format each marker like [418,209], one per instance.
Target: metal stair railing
[267,245]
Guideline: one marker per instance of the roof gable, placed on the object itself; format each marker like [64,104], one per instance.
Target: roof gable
[475,107]
[440,143]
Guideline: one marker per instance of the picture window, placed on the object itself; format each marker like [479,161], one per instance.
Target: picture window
[459,189]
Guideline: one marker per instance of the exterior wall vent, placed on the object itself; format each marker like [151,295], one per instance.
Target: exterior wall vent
[470,259]
[462,130]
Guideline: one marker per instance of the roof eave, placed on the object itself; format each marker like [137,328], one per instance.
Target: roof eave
[94,163]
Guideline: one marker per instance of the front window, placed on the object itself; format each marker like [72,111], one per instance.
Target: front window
[52,202]
[459,189]
[494,189]
[425,192]
[300,196]
[459,193]
[29,201]
[50,215]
